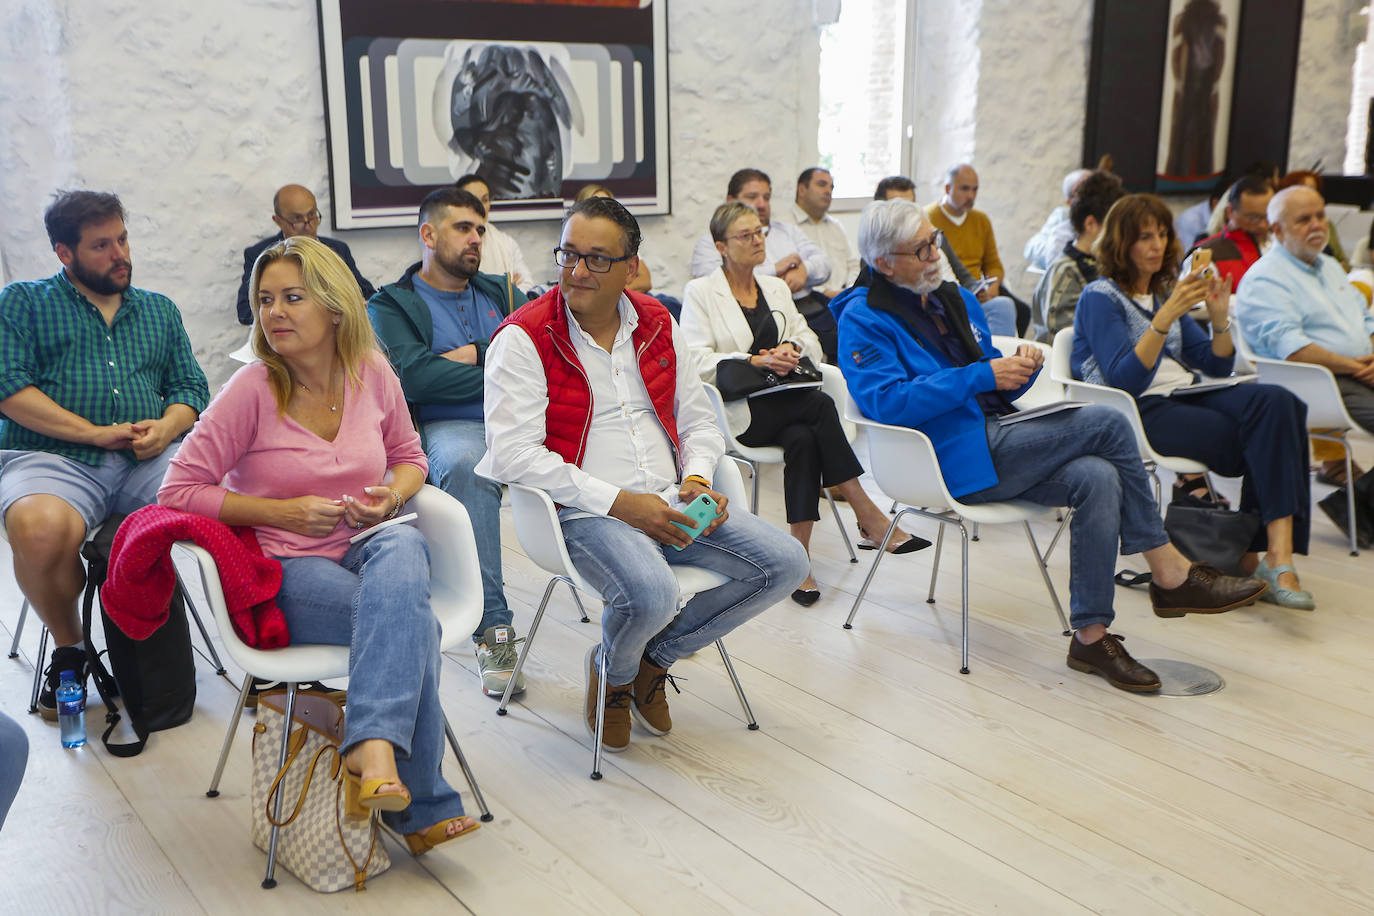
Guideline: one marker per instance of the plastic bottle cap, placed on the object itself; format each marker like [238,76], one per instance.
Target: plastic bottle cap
[68,675]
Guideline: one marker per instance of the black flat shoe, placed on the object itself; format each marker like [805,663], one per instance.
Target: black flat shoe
[911,545]
[806,596]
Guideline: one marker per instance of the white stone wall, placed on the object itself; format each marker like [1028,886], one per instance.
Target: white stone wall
[195,113]
[1331,31]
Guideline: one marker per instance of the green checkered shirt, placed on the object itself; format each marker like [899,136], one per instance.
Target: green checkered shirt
[53,338]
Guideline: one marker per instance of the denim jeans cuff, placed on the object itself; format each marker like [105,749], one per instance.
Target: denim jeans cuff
[351,741]
[1131,547]
[1077,623]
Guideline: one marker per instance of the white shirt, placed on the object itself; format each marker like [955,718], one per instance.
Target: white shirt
[829,235]
[1170,374]
[627,446]
[501,254]
[783,239]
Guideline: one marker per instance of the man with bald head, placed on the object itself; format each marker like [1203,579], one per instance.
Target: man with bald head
[969,232]
[295,213]
[1296,303]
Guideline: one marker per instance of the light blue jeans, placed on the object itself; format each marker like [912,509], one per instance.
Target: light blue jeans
[1000,312]
[376,601]
[634,575]
[14,756]
[454,447]
[1087,459]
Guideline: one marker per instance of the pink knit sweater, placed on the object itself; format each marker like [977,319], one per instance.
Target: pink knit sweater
[241,444]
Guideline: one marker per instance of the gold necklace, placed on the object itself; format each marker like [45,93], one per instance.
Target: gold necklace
[332,407]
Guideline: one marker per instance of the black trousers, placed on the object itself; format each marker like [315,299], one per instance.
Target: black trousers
[1258,431]
[815,452]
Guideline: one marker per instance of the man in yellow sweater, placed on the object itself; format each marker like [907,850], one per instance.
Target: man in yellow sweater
[970,235]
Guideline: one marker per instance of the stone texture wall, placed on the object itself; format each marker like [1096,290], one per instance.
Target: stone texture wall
[195,113]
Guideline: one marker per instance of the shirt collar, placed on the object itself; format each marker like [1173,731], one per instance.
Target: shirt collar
[801,217]
[1313,269]
[131,297]
[629,320]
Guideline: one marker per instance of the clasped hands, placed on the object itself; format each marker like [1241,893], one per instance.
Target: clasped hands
[1012,372]
[650,514]
[318,516]
[146,438]
[780,360]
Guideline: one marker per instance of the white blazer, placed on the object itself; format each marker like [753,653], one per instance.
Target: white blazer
[714,327]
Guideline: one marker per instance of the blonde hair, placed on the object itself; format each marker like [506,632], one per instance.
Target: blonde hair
[331,284]
[592,190]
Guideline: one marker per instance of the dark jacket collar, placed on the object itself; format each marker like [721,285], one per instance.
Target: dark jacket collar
[885,297]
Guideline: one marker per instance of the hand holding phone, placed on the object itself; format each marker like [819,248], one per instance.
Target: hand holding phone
[702,511]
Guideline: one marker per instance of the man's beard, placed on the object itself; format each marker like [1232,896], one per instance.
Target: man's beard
[103,284]
[459,267]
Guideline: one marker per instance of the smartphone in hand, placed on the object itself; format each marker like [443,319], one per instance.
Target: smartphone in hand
[702,511]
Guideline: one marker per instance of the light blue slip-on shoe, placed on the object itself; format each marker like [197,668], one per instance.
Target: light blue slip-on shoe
[1294,598]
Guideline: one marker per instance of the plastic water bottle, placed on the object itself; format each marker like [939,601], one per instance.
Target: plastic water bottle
[71,711]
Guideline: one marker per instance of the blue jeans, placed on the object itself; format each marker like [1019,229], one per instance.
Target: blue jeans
[454,447]
[376,601]
[1086,459]
[634,575]
[1000,312]
[14,755]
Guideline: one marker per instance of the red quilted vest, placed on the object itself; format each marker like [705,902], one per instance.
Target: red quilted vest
[568,417]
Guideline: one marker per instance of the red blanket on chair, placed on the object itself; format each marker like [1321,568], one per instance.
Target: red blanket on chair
[139,587]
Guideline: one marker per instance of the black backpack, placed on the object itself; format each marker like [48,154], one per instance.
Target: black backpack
[156,677]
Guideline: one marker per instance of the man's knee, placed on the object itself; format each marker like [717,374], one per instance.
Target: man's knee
[1093,479]
[44,529]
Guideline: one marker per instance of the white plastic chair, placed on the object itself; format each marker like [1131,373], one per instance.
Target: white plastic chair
[1062,372]
[43,633]
[541,537]
[1327,418]
[904,465]
[753,456]
[455,596]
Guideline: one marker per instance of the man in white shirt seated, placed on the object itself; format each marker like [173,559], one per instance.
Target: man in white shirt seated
[501,254]
[810,213]
[791,256]
[592,396]
[1049,241]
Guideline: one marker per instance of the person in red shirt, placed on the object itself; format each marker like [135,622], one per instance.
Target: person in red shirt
[1246,234]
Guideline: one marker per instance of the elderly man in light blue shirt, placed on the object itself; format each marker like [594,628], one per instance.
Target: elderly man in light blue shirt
[1296,303]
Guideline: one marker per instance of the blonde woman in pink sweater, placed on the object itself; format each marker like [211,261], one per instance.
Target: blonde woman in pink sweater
[310,445]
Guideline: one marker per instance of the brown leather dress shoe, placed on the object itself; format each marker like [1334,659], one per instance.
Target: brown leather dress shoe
[1207,590]
[615,729]
[651,697]
[1109,658]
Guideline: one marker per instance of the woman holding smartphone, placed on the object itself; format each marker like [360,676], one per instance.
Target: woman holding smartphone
[1132,331]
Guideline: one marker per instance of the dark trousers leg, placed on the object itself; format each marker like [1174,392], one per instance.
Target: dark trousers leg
[815,451]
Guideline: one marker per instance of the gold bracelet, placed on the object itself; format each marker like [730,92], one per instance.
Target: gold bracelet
[398,503]
[699,479]
[1223,330]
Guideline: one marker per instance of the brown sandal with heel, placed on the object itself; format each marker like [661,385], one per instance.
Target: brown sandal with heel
[422,841]
[361,797]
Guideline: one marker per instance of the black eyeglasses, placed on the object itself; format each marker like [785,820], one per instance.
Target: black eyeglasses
[567,259]
[299,225]
[927,250]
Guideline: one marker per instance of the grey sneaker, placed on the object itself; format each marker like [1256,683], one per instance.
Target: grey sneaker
[496,657]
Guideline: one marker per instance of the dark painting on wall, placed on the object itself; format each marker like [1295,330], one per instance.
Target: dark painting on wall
[1183,92]
[539,97]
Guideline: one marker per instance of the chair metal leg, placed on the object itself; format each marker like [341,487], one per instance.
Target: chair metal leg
[1042,560]
[467,772]
[873,570]
[19,628]
[38,669]
[200,625]
[1154,477]
[600,712]
[935,566]
[269,881]
[1350,498]
[213,791]
[754,485]
[975,532]
[739,691]
[839,523]
[529,640]
[963,598]
[578,599]
[893,509]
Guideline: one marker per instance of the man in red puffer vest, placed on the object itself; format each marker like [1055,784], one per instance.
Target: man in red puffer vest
[592,396]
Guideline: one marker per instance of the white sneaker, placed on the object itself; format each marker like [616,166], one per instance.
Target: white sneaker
[496,657]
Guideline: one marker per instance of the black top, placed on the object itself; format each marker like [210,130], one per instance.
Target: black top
[761,323]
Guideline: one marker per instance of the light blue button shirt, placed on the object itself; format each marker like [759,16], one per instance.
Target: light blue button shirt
[1283,304]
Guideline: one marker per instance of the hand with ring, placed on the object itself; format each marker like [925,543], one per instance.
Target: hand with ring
[367,510]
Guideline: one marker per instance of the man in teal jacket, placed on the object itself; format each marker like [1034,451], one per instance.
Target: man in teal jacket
[435,324]
[916,352]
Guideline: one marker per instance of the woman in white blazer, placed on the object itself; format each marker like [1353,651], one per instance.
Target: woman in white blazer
[734,314]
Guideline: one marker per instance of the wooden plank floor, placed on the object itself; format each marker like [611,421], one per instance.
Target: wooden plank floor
[881,781]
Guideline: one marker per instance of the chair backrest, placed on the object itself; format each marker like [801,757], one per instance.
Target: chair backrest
[1061,371]
[718,405]
[902,461]
[1045,390]
[833,384]
[1312,384]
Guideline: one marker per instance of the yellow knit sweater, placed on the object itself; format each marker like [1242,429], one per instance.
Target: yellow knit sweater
[973,242]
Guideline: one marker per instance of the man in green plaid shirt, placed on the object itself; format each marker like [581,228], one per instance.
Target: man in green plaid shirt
[97,385]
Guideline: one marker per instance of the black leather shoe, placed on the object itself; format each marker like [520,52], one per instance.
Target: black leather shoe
[1109,658]
[806,596]
[1207,590]
[1337,509]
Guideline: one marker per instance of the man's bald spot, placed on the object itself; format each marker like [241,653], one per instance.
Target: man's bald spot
[297,198]
[1279,203]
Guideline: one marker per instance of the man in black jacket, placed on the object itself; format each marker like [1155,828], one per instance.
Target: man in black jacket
[435,324]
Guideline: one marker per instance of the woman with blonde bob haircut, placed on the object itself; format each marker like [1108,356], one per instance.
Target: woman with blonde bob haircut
[1132,331]
[310,445]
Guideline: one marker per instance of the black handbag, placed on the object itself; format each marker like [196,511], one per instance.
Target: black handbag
[1207,533]
[739,378]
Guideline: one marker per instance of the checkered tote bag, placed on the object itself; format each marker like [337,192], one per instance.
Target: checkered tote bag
[318,842]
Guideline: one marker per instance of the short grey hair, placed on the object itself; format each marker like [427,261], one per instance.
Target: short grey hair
[1279,202]
[1072,179]
[885,224]
[952,172]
